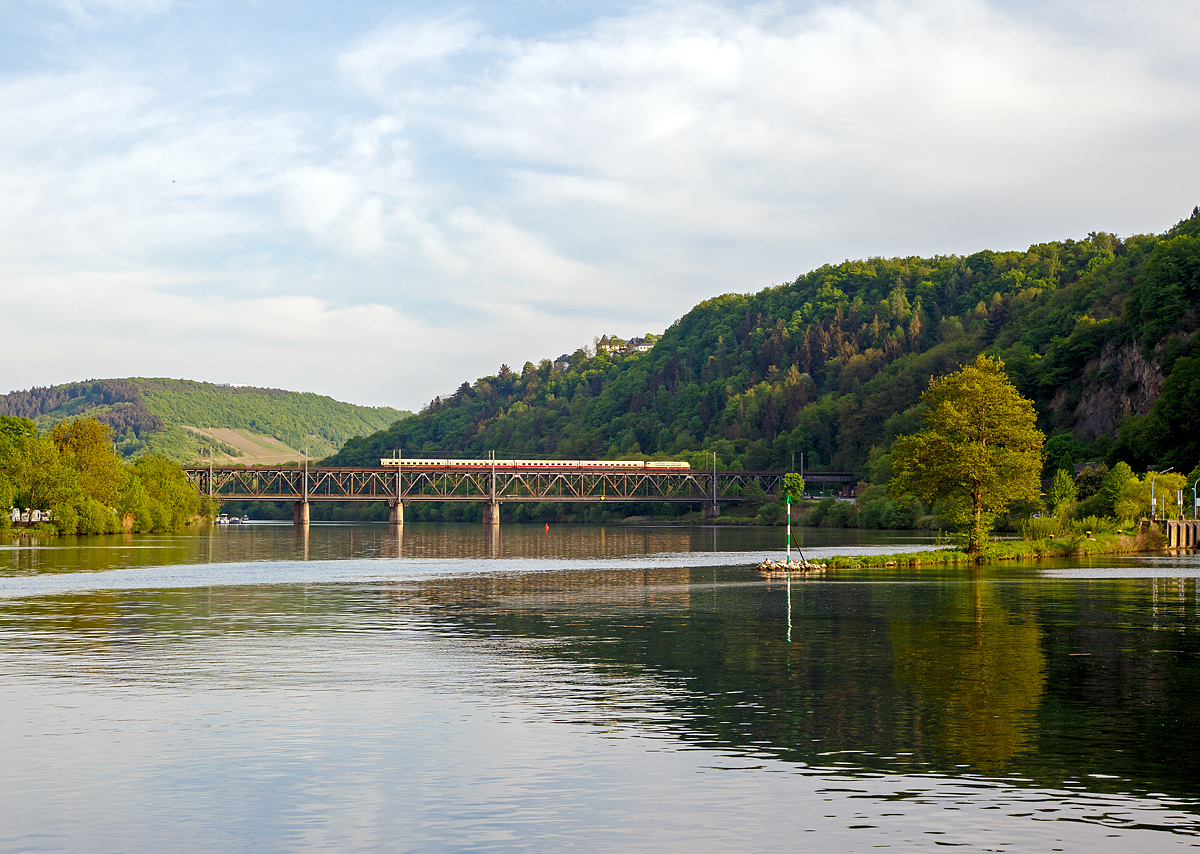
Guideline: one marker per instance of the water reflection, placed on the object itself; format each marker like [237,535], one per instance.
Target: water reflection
[977,664]
[992,708]
[273,542]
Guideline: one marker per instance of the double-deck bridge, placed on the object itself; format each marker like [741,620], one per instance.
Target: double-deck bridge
[489,485]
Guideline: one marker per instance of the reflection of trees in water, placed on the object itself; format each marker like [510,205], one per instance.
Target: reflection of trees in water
[248,543]
[1042,679]
[978,672]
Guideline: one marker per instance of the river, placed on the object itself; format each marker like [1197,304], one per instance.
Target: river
[604,689]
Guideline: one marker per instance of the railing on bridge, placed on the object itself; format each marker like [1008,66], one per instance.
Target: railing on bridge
[489,485]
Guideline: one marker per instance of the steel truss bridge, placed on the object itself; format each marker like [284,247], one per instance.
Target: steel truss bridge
[489,485]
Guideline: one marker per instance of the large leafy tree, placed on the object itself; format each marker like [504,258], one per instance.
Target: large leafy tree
[86,445]
[979,453]
[41,477]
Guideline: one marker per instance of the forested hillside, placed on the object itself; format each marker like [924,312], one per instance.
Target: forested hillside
[155,414]
[1099,332]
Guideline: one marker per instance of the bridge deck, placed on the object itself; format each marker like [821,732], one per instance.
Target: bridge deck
[499,484]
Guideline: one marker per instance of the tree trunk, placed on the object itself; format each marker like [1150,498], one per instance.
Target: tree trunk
[975,544]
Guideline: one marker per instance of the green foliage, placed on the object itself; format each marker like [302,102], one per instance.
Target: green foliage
[292,417]
[815,516]
[1062,493]
[14,429]
[7,493]
[65,519]
[904,514]
[85,445]
[97,518]
[41,476]
[1091,525]
[979,453]
[771,514]
[1113,487]
[842,514]
[793,486]
[831,366]
[1168,292]
[876,510]
[1136,494]
[1165,436]
[1060,452]
[149,415]
[1089,481]
[753,497]
[1041,528]
[75,473]
[168,501]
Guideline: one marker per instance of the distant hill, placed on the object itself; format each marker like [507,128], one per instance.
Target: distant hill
[1101,333]
[182,418]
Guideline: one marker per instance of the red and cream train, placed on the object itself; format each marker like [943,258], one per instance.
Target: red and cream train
[585,465]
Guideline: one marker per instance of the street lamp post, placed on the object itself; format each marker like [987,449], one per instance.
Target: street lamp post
[1153,500]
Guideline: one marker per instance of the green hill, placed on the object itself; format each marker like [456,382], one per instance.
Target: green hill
[181,418]
[1099,332]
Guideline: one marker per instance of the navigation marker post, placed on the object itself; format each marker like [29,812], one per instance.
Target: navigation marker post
[788,562]
[789,529]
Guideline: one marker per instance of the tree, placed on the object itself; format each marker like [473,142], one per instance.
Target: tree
[793,485]
[1112,489]
[1062,493]
[1089,481]
[170,501]
[979,453]
[86,446]
[1060,452]
[41,478]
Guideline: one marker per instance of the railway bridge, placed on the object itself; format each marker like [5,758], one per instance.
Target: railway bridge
[489,485]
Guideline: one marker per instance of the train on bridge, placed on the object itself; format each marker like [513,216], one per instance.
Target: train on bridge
[578,465]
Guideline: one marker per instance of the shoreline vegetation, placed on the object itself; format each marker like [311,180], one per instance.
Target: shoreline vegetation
[74,481]
[1145,540]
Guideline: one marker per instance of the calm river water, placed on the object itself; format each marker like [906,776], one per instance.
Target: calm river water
[602,689]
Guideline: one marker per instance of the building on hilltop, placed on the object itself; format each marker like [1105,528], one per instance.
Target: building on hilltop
[609,344]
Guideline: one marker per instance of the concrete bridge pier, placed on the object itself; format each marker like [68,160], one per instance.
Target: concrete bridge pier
[712,511]
[1182,534]
[491,513]
[300,514]
[396,514]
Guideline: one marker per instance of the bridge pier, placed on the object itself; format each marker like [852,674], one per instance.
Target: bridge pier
[1182,534]
[300,514]
[396,514]
[712,511]
[491,513]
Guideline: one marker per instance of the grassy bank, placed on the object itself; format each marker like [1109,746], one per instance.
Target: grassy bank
[1075,546]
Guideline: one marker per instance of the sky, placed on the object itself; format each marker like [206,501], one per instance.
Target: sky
[378,201]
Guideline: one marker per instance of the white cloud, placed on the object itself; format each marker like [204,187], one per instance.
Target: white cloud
[476,197]
[405,45]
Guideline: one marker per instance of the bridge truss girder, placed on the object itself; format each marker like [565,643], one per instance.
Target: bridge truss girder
[462,484]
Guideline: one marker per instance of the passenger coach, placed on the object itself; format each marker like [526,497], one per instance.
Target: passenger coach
[601,465]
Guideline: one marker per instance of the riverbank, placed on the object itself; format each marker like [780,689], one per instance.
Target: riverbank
[1149,540]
